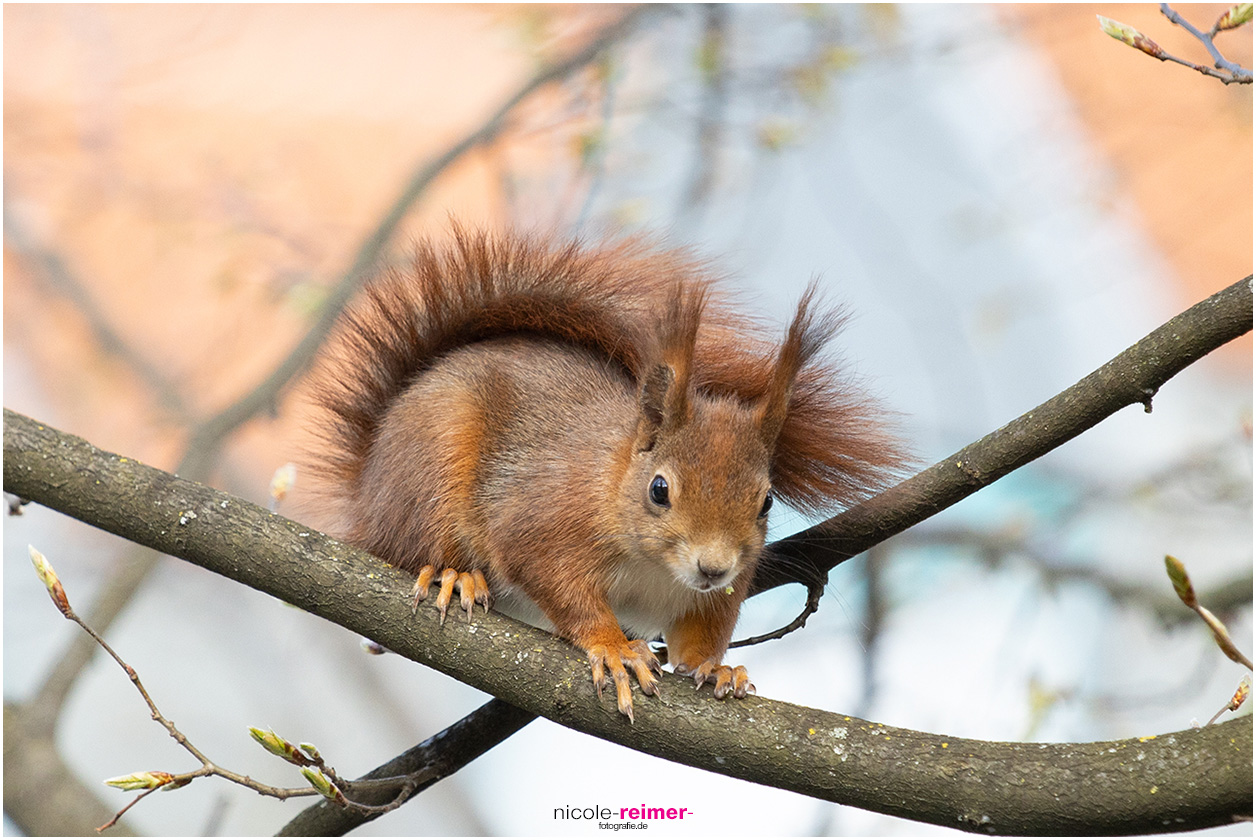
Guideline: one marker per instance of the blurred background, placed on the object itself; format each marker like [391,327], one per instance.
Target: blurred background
[1004,197]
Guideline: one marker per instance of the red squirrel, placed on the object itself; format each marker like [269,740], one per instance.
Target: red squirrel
[595,435]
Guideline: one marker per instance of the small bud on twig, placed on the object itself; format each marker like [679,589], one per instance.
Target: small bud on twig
[1240,695]
[1181,580]
[1245,686]
[323,785]
[147,780]
[1234,17]
[49,576]
[1127,34]
[1182,586]
[277,745]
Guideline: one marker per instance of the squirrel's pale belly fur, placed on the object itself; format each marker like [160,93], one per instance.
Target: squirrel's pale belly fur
[595,432]
[645,598]
[645,606]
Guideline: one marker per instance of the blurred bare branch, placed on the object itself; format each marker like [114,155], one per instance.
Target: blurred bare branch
[50,267]
[712,63]
[208,437]
[1001,547]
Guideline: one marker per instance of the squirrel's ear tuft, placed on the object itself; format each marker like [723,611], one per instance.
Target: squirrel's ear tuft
[807,335]
[664,390]
[657,398]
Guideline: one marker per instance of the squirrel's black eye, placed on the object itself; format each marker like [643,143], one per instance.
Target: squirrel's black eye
[658,491]
[767,505]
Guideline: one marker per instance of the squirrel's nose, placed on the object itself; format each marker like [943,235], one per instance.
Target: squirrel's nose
[713,569]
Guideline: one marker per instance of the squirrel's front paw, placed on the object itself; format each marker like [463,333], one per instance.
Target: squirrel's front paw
[472,589]
[612,661]
[726,678]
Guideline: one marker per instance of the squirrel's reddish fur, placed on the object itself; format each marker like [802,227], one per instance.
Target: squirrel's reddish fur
[593,432]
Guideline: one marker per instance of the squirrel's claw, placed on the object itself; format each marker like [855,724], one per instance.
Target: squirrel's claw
[611,663]
[472,588]
[466,590]
[727,679]
[421,585]
[448,578]
[482,596]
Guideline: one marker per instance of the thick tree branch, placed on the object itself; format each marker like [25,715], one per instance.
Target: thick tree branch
[1175,782]
[1132,378]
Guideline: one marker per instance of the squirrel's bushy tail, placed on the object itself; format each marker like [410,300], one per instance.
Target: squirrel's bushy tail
[832,447]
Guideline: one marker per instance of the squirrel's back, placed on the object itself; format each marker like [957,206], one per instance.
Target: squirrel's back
[832,450]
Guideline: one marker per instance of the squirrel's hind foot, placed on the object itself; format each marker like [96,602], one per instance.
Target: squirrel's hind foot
[611,663]
[472,589]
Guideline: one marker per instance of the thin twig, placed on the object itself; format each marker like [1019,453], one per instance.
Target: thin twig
[1240,696]
[1206,38]
[1227,71]
[815,591]
[328,782]
[114,821]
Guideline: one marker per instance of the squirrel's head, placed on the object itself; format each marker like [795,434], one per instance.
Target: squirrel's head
[698,488]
